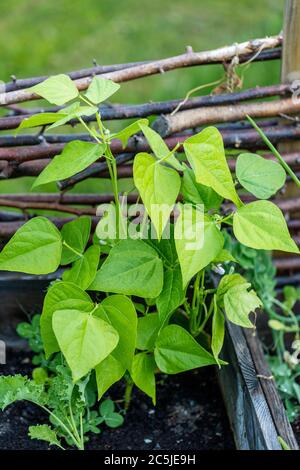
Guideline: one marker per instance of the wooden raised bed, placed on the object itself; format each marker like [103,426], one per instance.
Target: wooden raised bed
[255,410]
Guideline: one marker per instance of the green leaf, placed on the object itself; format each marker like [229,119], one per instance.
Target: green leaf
[158,186]
[108,372]
[159,147]
[76,235]
[34,249]
[228,281]
[114,420]
[76,156]
[43,432]
[196,193]
[218,332]
[239,302]
[172,294]
[291,296]
[165,248]
[234,297]
[132,268]
[74,111]
[205,152]
[18,387]
[84,340]
[106,408]
[143,369]
[40,119]
[129,131]
[111,418]
[198,241]
[224,256]
[100,89]
[119,311]
[84,270]
[259,176]
[177,351]
[261,225]
[40,375]
[60,296]
[58,89]
[147,329]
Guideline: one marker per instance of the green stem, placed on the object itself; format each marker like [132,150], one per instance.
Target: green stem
[100,125]
[207,316]
[128,393]
[287,310]
[67,430]
[81,431]
[112,166]
[196,289]
[163,159]
[226,218]
[74,427]
[72,249]
[275,151]
[92,134]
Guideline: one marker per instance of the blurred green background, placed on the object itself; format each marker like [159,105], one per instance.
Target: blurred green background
[48,37]
[40,37]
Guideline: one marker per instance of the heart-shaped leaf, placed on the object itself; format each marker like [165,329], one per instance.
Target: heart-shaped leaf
[84,340]
[132,268]
[158,186]
[100,89]
[143,369]
[76,156]
[177,351]
[261,225]
[259,176]
[205,152]
[83,271]
[34,249]
[58,89]
[198,241]
[61,296]
[119,311]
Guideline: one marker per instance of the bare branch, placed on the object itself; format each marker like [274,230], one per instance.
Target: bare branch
[167,125]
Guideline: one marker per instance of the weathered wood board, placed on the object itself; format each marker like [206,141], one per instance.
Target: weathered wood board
[255,410]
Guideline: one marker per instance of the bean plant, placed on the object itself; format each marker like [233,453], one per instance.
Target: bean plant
[139,299]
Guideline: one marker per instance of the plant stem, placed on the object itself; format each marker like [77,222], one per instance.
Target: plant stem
[81,430]
[92,134]
[275,151]
[72,249]
[208,315]
[196,289]
[112,167]
[128,393]
[67,430]
[74,427]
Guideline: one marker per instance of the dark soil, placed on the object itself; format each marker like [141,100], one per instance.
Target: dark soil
[296,429]
[189,415]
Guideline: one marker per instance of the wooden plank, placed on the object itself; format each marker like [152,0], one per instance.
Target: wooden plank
[290,68]
[290,65]
[268,385]
[21,295]
[253,423]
